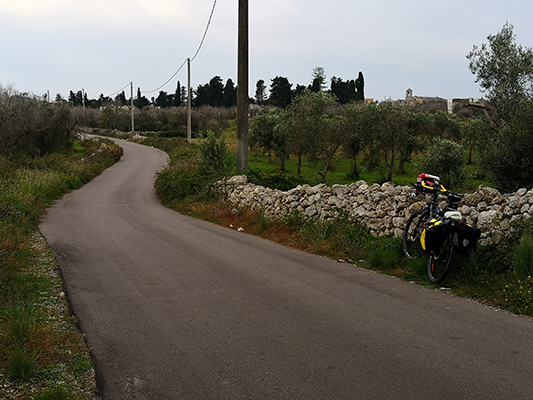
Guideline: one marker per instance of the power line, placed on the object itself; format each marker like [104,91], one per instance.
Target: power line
[112,94]
[169,79]
[206,29]
[184,62]
[195,54]
[120,90]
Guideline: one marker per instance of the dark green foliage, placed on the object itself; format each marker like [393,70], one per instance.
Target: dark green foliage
[22,365]
[260,92]
[230,94]
[214,158]
[274,180]
[212,93]
[281,92]
[360,87]
[32,126]
[446,160]
[508,155]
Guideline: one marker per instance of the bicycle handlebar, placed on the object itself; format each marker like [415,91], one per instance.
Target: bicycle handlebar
[439,190]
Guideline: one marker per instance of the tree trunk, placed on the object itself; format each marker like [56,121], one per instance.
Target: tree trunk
[391,167]
[401,167]
[355,170]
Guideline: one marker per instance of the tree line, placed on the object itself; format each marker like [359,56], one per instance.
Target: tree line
[387,135]
[216,93]
[382,136]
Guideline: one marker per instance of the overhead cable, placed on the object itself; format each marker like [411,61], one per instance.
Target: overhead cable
[205,33]
[195,54]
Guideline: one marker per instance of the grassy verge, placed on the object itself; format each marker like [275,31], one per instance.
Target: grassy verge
[490,276]
[42,354]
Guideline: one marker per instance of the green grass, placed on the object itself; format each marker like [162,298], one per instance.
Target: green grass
[341,172]
[42,353]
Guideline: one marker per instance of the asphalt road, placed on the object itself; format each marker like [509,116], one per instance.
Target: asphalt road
[177,308]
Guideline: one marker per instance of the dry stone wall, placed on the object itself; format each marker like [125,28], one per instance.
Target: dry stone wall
[383,209]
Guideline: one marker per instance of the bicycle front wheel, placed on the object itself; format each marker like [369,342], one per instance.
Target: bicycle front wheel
[412,233]
[440,261]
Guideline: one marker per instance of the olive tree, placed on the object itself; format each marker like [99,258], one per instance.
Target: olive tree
[508,154]
[391,135]
[267,133]
[32,125]
[354,143]
[504,70]
[445,158]
[317,129]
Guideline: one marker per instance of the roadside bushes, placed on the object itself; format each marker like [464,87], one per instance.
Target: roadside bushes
[32,126]
[40,348]
[193,180]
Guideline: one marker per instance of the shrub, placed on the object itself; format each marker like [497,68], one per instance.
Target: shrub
[445,159]
[33,126]
[214,158]
[177,183]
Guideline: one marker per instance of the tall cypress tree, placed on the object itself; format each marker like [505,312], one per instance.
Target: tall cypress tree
[230,94]
[360,87]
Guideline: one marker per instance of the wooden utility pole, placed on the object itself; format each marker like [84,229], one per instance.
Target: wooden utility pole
[132,117]
[242,88]
[189,100]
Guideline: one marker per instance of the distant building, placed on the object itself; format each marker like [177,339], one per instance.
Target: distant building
[423,103]
[432,104]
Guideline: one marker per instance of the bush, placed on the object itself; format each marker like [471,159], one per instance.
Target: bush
[29,125]
[214,158]
[446,160]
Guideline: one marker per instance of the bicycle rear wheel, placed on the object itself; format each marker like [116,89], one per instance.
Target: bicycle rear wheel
[412,232]
[440,261]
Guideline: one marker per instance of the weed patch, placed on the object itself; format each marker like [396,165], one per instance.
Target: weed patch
[40,346]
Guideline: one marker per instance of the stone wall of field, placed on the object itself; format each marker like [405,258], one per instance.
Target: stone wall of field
[383,209]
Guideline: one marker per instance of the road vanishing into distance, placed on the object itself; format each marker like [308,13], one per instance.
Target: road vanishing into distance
[178,308]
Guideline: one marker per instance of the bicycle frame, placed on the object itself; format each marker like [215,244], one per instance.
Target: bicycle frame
[433,205]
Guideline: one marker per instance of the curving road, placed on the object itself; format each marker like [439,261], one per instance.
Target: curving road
[177,308]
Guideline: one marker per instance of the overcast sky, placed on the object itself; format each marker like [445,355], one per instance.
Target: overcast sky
[102,45]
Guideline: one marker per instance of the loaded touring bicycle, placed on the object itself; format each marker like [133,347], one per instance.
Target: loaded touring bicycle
[439,233]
